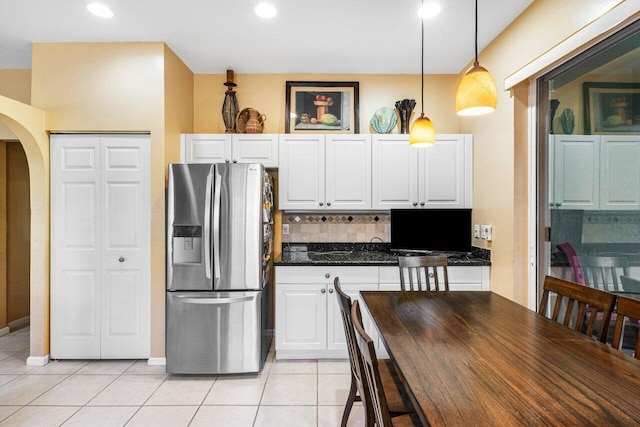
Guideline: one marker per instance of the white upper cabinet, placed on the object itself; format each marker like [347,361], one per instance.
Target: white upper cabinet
[226,147]
[596,172]
[319,172]
[440,176]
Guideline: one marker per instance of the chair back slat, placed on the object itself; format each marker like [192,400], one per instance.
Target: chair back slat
[416,273]
[570,293]
[627,308]
[603,272]
[377,397]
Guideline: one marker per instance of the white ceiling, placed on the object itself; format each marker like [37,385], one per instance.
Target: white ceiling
[321,36]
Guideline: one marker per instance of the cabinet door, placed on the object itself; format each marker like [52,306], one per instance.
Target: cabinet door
[444,173]
[301,313]
[207,148]
[75,246]
[335,328]
[301,174]
[577,172]
[125,242]
[394,172]
[348,172]
[255,148]
[619,172]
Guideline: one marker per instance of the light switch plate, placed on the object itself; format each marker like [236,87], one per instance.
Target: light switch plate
[485,232]
[285,228]
[476,231]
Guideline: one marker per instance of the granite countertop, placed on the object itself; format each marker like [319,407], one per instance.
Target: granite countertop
[363,254]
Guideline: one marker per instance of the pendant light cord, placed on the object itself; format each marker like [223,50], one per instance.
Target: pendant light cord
[422,61]
[476,34]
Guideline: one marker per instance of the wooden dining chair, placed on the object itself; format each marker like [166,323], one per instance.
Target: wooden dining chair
[377,396]
[398,400]
[603,272]
[590,302]
[418,272]
[627,308]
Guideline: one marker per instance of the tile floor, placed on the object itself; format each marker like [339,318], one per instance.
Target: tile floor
[131,393]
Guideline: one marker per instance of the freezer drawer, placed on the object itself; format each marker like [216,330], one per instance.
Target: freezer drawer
[216,332]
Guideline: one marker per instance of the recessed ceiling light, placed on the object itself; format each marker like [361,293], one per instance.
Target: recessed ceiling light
[429,10]
[265,10]
[100,10]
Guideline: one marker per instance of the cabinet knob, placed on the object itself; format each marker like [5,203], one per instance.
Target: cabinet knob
[421,203]
[327,275]
[328,203]
[227,161]
[558,204]
[235,161]
[415,203]
[121,259]
[323,290]
[321,204]
[330,290]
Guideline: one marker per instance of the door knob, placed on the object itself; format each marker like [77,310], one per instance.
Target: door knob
[121,259]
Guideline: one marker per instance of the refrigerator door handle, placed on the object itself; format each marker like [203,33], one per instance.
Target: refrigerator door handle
[207,228]
[216,230]
[219,301]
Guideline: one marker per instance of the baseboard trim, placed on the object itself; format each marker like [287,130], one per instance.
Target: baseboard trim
[157,361]
[5,331]
[37,360]
[18,323]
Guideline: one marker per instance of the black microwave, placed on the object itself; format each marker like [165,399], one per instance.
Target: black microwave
[424,230]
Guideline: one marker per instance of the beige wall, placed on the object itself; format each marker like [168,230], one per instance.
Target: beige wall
[14,84]
[500,159]
[266,93]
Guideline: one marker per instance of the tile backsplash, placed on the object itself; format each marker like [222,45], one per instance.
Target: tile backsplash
[332,227]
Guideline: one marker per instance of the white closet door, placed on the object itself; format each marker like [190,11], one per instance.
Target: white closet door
[75,246]
[125,237]
[100,287]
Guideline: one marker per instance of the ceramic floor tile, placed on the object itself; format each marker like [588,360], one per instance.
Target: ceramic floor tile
[76,390]
[58,367]
[333,389]
[26,388]
[294,367]
[6,354]
[94,416]
[4,379]
[141,367]
[290,390]
[128,390]
[113,367]
[331,416]
[279,416]
[334,367]
[236,390]
[181,391]
[5,411]
[14,365]
[37,416]
[225,416]
[18,342]
[161,416]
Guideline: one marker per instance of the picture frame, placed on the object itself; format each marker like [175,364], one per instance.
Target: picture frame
[307,102]
[611,108]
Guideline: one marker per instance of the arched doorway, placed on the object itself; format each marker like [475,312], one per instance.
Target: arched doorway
[28,124]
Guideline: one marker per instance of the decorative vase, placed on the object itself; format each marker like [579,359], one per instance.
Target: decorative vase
[255,123]
[230,105]
[554,106]
[567,120]
[405,108]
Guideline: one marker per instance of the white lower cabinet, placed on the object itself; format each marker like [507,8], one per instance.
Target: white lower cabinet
[308,320]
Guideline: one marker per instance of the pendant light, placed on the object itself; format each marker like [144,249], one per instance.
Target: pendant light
[422,132]
[477,92]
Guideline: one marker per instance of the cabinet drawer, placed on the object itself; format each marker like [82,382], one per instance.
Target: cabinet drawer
[456,274]
[319,274]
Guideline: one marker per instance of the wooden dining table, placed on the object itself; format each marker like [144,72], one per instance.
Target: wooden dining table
[479,359]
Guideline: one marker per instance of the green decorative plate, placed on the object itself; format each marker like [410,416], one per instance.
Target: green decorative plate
[384,120]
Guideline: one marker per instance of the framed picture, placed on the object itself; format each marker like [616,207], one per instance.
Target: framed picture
[322,107]
[611,108]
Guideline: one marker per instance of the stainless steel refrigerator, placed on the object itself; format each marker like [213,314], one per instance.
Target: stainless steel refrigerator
[219,242]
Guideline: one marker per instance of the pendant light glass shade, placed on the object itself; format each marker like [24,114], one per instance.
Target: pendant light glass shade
[477,93]
[422,132]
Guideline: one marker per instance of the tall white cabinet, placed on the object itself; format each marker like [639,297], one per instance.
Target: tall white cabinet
[100,246]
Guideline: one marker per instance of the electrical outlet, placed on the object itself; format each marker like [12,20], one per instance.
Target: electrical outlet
[485,232]
[285,228]
[476,231]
